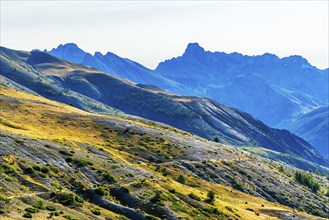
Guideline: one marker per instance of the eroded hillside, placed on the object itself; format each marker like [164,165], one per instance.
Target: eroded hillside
[64,163]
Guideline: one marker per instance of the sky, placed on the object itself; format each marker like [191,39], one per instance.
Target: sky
[150,32]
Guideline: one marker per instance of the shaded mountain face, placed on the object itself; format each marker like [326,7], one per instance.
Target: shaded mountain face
[115,65]
[272,89]
[80,86]
[70,52]
[313,127]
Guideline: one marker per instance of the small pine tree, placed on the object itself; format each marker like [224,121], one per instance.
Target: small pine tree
[281,169]
[181,179]
[216,139]
[210,197]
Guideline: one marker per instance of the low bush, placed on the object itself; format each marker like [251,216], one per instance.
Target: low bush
[27,215]
[210,197]
[44,169]
[30,170]
[51,208]
[31,210]
[69,217]
[8,168]
[69,199]
[195,197]
[109,177]
[100,191]
[37,168]
[95,211]
[66,153]
[39,205]
[181,179]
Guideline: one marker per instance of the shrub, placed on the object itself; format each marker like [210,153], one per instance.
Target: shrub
[51,208]
[156,198]
[69,199]
[39,205]
[216,139]
[69,159]
[100,191]
[210,197]
[66,153]
[2,211]
[195,197]
[181,179]
[37,168]
[173,191]
[281,169]
[229,208]
[96,211]
[27,215]
[44,169]
[81,162]
[151,217]
[69,217]
[56,185]
[307,180]
[8,168]
[109,177]
[42,175]
[31,210]
[30,170]
[19,141]
[55,169]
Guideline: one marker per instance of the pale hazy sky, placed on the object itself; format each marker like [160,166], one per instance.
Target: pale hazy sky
[152,31]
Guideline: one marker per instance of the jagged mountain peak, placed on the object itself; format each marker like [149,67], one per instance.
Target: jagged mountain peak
[193,48]
[69,51]
[97,53]
[71,47]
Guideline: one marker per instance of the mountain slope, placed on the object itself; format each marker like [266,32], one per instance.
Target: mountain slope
[69,163]
[288,87]
[199,116]
[115,65]
[314,128]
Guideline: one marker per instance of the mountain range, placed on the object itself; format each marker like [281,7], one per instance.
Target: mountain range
[89,89]
[79,143]
[274,90]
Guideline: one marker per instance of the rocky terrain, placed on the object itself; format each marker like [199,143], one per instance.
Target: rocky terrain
[64,163]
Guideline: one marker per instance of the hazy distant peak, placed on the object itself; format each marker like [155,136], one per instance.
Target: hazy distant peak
[70,45]
[194,48]
[69,51]
[296,59]
[110,54]
[97,53]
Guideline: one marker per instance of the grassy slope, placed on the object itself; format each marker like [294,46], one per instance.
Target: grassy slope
[34,129]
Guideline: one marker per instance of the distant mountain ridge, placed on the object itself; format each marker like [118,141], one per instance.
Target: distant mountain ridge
[115,65]
[272,89]
[313,127]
